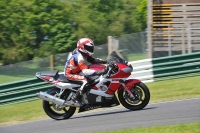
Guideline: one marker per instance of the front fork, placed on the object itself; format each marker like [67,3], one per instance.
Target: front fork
[127,90]
[128,85]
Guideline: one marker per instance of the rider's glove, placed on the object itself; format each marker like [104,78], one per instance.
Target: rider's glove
[103,61]
[111,64]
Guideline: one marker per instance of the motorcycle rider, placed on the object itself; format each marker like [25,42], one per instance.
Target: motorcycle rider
[76,67]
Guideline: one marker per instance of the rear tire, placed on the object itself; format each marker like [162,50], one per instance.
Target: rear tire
[142,94]
[53,111]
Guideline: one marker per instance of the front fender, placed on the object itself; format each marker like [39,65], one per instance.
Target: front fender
[130,83]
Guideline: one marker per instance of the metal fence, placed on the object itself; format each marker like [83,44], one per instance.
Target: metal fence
[128,45]
[23,70]
[131,47]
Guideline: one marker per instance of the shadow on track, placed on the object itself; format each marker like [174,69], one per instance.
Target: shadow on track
[114,112]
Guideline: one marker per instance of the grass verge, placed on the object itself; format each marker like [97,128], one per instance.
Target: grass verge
[160,91]
[180,128]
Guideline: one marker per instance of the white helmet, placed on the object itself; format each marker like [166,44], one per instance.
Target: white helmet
[86,46]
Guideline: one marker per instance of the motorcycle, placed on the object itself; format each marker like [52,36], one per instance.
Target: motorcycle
[99,91]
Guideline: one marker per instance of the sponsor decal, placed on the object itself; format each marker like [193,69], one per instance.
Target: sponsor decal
[98,99]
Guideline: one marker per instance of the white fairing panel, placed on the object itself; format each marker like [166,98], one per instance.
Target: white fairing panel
[66,85]
[100,93]
[102,80]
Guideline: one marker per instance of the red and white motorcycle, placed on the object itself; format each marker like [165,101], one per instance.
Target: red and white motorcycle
[99,92]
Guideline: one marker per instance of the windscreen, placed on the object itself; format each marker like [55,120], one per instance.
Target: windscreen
[115,58]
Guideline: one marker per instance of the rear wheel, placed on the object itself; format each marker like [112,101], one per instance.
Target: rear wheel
[141,97]
[55,111]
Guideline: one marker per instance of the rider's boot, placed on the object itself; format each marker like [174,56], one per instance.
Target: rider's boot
[77,97]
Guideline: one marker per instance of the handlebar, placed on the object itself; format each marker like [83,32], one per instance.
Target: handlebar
[109,73]
[111,65]
[113,68]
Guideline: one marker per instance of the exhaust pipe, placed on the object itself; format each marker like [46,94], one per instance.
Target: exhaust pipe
[56,100]
[50,98]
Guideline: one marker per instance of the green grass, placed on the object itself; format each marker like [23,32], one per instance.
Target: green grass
[137,56]
[160,91]
[7,78]
[175,89]
[16,113]
[180,128]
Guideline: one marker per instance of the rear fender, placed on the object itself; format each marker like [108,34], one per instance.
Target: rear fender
[130,83]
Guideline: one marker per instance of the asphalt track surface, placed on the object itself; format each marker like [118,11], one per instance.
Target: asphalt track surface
[166,113]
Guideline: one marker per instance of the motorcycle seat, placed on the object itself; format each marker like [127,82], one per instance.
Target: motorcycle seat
[63,79]
[52,73]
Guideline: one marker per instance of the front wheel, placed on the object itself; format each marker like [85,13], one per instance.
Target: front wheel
[141,97]
[55,111]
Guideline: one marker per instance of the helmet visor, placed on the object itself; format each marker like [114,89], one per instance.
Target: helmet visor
[89,48]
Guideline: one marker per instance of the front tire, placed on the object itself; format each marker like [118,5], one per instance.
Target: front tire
[141,94]
[56,112]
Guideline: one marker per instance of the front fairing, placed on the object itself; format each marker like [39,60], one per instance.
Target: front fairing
[124,70]
[113,57]
[122,73]
[97,67]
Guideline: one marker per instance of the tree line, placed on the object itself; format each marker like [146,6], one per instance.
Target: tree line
[38,28]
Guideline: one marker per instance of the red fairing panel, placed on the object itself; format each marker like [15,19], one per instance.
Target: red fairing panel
[131,82]
[121,74]
[112,88]
[47,78]
[97,67]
